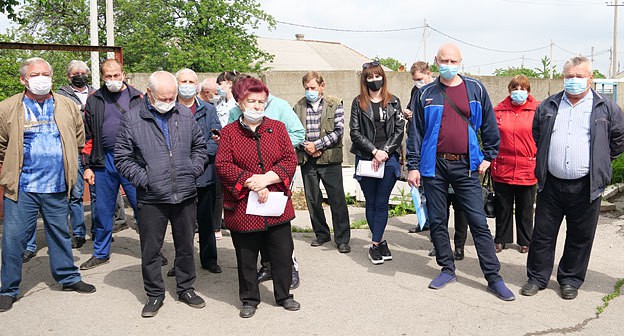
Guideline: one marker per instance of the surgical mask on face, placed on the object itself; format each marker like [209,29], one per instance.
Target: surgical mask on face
[518,97]
[312,96]
[253,116]
[163,107]
[448,71]
[374,85]
[80,80]
[216,99]
[221,92]
[113,86]
[419,83]
[40,85]
[187,91]
[575,85]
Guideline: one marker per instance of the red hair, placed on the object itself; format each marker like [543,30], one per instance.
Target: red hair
[243,87]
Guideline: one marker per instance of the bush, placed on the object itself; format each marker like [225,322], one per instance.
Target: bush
[618,170]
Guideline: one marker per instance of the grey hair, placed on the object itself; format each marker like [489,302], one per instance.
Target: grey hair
[153,80]
[80,65]
[31,61]
[578,60]
[185,70]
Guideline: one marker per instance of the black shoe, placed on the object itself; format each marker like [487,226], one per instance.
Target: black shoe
[151,307]
[120,227]
[6,302]
[94,262]
[291,304]
[374,254]
[77,242]
[247,311]
[385,251]
[417,229]
[432,252]
[80,287]
[192,299]
[459,253]
[171,272]
[163,260]
[529,289]
[294,283]
[264,274]
[214,268]
[28,255]
[318,242]
[344,248]
[568,292]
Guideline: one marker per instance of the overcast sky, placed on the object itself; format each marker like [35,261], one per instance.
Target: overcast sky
[573,25]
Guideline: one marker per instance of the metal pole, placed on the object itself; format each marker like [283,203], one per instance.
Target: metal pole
[95,58]
[425,42]
[110,27]
[592,54]
[552,63]
[615,64]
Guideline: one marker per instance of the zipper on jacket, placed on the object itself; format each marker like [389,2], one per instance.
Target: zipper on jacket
[256,137]
[175,189]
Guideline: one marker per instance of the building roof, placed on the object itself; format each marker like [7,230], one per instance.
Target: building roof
[301,54]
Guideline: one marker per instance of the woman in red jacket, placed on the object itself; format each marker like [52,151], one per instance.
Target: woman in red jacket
[513,169]
[255,155]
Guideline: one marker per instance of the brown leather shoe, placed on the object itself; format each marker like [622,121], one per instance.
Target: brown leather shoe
[524,249]
[499,247]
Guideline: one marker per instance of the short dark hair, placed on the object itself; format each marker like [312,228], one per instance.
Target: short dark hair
[419,66]
[110,60]
[521,80]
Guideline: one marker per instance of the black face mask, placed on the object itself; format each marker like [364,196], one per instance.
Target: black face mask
[80,81]
[374,85]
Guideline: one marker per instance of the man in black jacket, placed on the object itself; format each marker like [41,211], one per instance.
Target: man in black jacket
[103,113]
[578,133]
[161,150]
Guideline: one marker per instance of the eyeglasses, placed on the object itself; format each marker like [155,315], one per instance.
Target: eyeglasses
[369,64]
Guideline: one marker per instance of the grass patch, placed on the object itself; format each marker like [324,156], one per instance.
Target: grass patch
[405,205]
[359,224]
[297,229]
[605,299]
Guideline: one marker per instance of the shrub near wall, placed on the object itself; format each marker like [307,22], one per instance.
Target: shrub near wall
[618,170]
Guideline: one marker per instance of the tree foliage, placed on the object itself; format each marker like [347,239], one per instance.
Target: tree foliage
[8,7]
[598,74]
[389,62]
[514,71]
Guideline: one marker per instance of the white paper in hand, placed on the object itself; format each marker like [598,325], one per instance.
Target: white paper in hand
[273,207]
[365,168]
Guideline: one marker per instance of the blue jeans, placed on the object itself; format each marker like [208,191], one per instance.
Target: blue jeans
[20,221]
[468,194]
[107,180]
[377,194]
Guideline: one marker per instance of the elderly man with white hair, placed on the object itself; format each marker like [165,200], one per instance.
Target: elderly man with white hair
[40,134]
[208,92]
[160,149]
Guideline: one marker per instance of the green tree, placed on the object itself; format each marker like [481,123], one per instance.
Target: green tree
[8,7]
[389,62]
[205,35]
[513,71]
[598,74]
[544,71]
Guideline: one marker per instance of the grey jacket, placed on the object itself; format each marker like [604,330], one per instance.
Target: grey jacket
[606,139]
[161,175]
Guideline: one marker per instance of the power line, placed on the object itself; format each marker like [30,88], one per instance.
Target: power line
[484,48]
[350,30]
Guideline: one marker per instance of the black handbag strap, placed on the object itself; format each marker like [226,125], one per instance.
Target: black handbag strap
[455,108]
[487,180]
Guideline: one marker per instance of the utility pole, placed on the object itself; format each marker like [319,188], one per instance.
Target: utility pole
[614,64]
[552,63]
[425,42]
[522,64]
[592,54]
[95,58]
[110,27]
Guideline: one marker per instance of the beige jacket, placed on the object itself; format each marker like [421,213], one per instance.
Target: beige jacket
[69,122]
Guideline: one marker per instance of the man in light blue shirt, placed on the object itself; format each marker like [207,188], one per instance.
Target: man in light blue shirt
[577,132]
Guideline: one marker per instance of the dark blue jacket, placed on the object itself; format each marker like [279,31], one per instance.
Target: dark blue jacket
[428,105]
[606,133]
[207,119]
[143,157]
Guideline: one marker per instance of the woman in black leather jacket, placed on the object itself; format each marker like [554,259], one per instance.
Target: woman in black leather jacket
[376,134]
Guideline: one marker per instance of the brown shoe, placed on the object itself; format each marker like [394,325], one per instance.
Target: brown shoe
[524,249]
[499,247]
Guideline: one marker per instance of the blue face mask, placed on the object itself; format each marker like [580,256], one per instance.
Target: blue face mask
[575,85]
[518,97]
[448,71]
[312,96]
[221,92]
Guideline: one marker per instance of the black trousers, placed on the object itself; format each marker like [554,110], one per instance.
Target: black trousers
[206,197]
[331,176]
[461,224]
[523,197]
[153,219]
[217,212]
[559,198]
[279,247]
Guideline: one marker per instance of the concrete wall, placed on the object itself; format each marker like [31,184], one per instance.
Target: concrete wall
[344,84]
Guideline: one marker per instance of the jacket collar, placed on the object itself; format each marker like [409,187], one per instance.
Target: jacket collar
[146,110]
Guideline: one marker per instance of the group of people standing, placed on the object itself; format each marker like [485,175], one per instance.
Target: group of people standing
[190,154]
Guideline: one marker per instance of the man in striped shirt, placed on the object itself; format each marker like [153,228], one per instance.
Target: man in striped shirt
[320,157]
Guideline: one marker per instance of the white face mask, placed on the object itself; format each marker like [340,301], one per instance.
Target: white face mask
[419,83]
[187,91]
[40,85]
[253,116]
[163,107]
[113,86]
